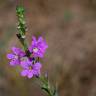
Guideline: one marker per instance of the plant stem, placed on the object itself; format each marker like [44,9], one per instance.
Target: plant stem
[22,28]
[46,86]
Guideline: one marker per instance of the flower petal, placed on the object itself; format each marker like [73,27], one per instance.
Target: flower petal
[40,39]
[30,74]
[30,48]
[24,73]
[10,56]
[37,66]
[14,62]
[36,72]
[24,64]
[16,50]
[39,54]
[34,40]
[21,54]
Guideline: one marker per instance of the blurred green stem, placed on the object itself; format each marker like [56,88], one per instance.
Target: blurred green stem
[21,27]
[46,86]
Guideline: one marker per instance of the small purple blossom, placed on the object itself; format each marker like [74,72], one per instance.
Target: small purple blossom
[16,56]
[30,69]
[38,47]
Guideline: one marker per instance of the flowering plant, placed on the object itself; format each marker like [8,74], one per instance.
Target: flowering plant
[28,57]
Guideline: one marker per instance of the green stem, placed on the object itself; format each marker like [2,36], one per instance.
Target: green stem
[22,28]
[23,42]
[46,86]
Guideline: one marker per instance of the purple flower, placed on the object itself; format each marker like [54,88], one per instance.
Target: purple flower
[38,47]
[16,56]
[30,69]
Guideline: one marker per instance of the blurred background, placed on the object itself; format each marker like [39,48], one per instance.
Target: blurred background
[69,27]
